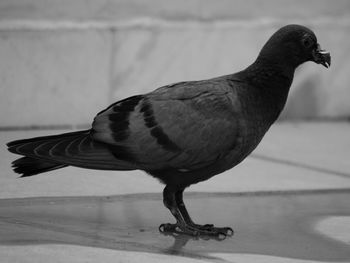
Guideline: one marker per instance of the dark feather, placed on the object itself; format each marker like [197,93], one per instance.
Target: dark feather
[27,166]
[42,138]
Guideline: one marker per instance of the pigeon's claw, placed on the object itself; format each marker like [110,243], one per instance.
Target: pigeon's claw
[178,229]
[197,230]
[227,231]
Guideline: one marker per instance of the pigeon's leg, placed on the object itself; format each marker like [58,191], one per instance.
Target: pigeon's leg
[207,228]
[173,200]
[180,226]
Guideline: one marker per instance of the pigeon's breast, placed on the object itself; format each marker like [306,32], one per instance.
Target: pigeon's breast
[256,113]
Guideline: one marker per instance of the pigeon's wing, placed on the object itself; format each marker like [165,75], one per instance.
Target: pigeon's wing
[184,126]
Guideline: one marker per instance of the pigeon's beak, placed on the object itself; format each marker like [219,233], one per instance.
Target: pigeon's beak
[321,56]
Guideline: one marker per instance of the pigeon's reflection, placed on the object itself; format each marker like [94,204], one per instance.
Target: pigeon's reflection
[181,240]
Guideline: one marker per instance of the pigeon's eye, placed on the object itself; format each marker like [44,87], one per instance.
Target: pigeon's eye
[307,42]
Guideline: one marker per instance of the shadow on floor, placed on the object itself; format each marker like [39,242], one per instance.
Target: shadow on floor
[278,224]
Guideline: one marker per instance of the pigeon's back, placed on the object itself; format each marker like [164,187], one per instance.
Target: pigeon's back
[186,125]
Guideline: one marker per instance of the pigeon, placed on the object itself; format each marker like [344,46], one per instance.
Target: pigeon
[183,133]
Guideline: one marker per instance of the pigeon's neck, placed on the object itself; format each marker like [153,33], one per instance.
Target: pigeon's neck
[269,75]
[271,82]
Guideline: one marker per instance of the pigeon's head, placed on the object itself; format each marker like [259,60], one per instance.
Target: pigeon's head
[294,45]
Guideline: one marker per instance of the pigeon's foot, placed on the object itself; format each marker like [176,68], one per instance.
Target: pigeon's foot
[173,200]
[197,230]
[227,231]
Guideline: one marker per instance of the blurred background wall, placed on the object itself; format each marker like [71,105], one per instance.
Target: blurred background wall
[63,61]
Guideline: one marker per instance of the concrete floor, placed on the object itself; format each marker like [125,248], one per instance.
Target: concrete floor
[289,202]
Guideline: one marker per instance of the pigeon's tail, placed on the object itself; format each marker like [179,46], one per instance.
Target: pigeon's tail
[49,153]
[27,166]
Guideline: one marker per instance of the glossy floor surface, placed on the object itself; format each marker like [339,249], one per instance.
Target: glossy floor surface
[280,225]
